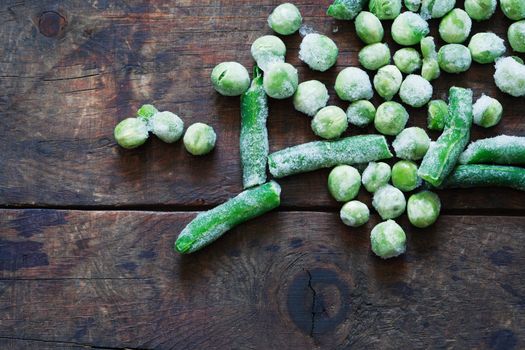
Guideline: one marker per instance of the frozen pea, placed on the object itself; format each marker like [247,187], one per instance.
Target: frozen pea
[354,214]
[391,117]
[408,60]
[428,47]
[412,5]
[411,143]
[374,56]
[361,113]
[345,9]
[310,97]
[330,122]
[487,111]
[166,126]
[430,69]
[281,80]
[267,50]
[423,209]
[510,76]
[516,36]
[369,28]
[375,176]
[415,91]
[513,9]
[437,115]
[455,27]
[387,81]
[388,240]
[404,176]
[285,19]
[389,202]
[230,78]
[480,10]
[353,84]
[146,111]
[409,28]
[344,183]
[486,47]
[318,51]
[385,9]
[199,139]
[436,8]
[131,133]
[454,58]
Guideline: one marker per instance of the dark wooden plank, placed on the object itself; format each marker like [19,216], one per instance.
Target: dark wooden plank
[63,92]
[285,280]
[16,344]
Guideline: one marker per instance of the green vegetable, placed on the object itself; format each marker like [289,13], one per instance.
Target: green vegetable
[210,225]
[345,9]
[361,113]
[430,69]
[310,97]
[391,117]
[486,47]
[330,122]
[443,154]
[409,28]
[354,214]
[344,183]
[423,209]
[388,240]
[385,9]
[415,91]
[454,58]
[480,10]
[353,84]
[281,80]
[230,78]
[325,154]
[510,76]
[131,133]
[436,8]
[369,28]
[146,112]
[389,202]
[501,149]
[428,47]
[387,81]
[408,60]
[254,135]
[411,143]
[374,56]
[268,50]
[412,5]
[455,27]
[285,19]
[516,36]
[376,175]
[166,126]
[318,51]
[437,114]
[468,176]
[404,176]
[513,9]
[487,111]
[199,139]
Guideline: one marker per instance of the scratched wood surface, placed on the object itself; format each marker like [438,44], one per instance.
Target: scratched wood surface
[77,272]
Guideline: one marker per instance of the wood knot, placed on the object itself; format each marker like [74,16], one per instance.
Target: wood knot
[51,24]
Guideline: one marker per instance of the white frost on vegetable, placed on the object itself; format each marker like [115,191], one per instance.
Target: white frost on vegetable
[510,76]
[415,91]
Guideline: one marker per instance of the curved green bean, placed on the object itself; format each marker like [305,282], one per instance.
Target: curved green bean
[501,149]
[468,176]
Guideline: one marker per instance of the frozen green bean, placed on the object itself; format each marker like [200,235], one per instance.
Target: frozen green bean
[480,175]
[503,149]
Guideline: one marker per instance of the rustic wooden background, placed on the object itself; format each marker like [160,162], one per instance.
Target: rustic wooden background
[86,228]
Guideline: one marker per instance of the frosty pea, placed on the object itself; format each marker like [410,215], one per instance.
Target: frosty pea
[411,143]
[423,209]
[354,214]
[375,176]
[318,51]
[389,202]
[344,183]
[199,139]
[387,81]
[388,240]
[487,111]
[361,113]
[310,97]
[330,122]
[285,19]
[391,117]
[404,176]
[230,78]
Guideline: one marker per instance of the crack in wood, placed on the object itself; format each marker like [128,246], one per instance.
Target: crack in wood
[92,346]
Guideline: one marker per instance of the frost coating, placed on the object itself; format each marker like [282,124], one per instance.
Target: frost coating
[486,47]
[344,183]
[268,50]
[409,28]
[513,9]
[387,81]
[285,19]
[455,27]
[385,9]
[374,56]
[408,60]
[487,111]
[369,28]
[281,80]
[361,113]
[354,214]
[501,149]
[510,76]
[480,10]
[310,97]
[376,175]
[166,126]
[389,202]
[391,117]
[454,58]
[345,9]
[318,51]
[404,176]
[436,8]
[415,91]
[353,84]
[330,122]
[516,35]
[131,133]
[230,78]
[412,143]
[423,209]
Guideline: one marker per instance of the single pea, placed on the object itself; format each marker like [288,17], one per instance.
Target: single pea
[285,19]
[375,176]
[412,5]
[436,8]
[487,111]
[281,80]
[353,84]
[454,58]
[199,139]
[486,47]
[513,9]
[318,51]
[411,143]
[374,56]
[480,10]
[404,176]
[409,28]
[268,50]
[354,214]
[455,27]
[344,183]
[330,122]
[387,81]
[430,69]
[131,133]
[310,97]
[428,47]
[423,209]
[385,9]
[437,114]
[230,78]
[516,36]
[167,126]
[146,112]
[388,240]
[407,59]
[361,113]
[369,28]
[415,91]
[510,76]
[389,202]
[391,117]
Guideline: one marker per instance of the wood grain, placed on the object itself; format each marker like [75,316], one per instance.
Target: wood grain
[285,280]
[70,70]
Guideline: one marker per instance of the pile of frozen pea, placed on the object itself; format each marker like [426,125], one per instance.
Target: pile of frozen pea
[444,163]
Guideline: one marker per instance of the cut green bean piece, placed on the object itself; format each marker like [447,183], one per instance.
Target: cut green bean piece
[479,175]
[146,112]
[254,135]
[501,149]
[325,154]
[443,154]
[210,225]
[437,114]
[345,9]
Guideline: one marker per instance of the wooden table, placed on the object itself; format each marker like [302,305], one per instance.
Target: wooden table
[86,227]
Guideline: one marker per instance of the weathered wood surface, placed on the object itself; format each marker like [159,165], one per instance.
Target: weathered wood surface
[70,70]
[285,280]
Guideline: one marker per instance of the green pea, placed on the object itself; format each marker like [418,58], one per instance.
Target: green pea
[267,50]
[412,143]
[376,175]
[131,133]
[385,9]
[391,117]
[285,19]
[353,84]
[167,126]
[423,209]
[389,202]
[404,176]
[344,183]
[415,91]
[146,111]
[486,47]
[354,214]
[454,58]
[516,36]
[374,56]
[330,122]
[409,28]
[361,113]
[230,79]
[281,80]
[369,28]
[199,139]
[487,111]
[318,51]
[387,81]
[510,76]
[430,69]
[388,240]
[480,10]
[455,27]
[408,60]
[310,97]
[513,9]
